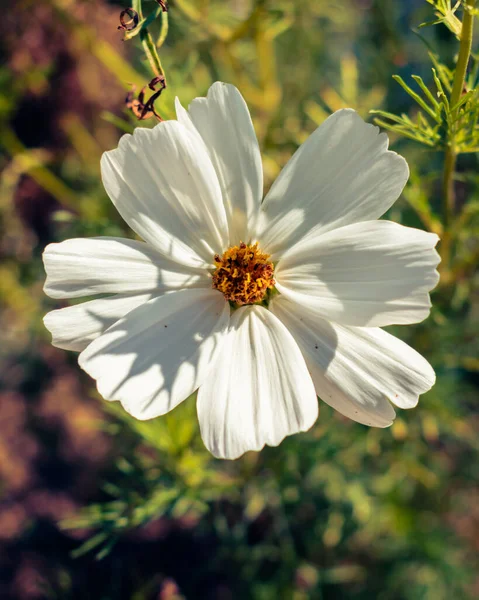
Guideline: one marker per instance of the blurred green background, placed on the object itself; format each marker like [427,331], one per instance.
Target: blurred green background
[96,506]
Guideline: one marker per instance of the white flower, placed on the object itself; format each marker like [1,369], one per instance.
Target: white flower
[324,272]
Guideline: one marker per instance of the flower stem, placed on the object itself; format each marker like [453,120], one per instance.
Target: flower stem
[151,53]
[136,5]
[448,185]
[163,31]
[464,53]
[149,46]
[450,157]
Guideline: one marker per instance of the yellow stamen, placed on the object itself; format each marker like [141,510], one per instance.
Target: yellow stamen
[243,274]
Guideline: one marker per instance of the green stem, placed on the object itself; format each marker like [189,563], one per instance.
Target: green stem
[450,159]
[163,30]
[464,52]
[151,53]
[136,6]
[449,204]
[147,42]
[451,154]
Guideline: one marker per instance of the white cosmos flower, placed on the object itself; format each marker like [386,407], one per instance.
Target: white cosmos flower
[191,308]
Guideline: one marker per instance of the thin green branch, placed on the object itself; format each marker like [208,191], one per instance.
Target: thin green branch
[426,91]
[163,30]
[151,53]
[450,157]
[149,46]
[416,97]
[464,52]
[136,5]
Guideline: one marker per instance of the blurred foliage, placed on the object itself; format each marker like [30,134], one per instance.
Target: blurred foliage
[340,512]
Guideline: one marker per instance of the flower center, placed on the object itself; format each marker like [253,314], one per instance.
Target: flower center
[243,274]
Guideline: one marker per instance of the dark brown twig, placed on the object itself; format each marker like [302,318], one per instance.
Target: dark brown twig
[163,4]
[146,109]
[129,19]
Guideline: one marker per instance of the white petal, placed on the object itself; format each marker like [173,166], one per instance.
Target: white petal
[357,370]
[74,327]
[259,391]
[342,174]
[368,274]
[160,353]
[82,267]
[223,121]
[163,184]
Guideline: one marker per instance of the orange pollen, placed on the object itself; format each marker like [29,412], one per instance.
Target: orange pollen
[243,274]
